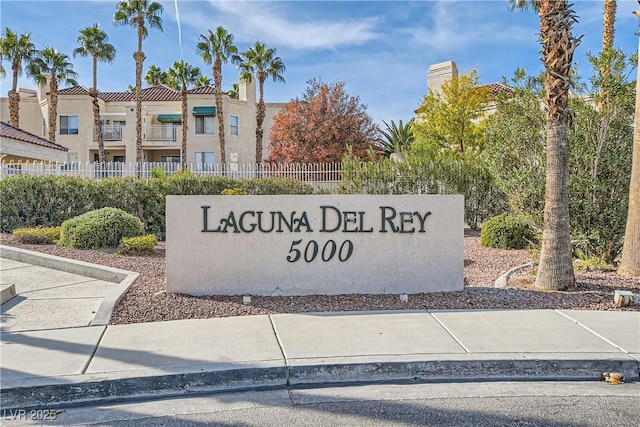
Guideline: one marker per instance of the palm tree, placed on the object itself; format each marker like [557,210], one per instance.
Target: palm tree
[49,63]
[555,270]
[137,14]
[234,92]
[19,50]
[202,81]
[217,48]
[396,138]
[183,75]
[155,76]
[94,42]
[630,262]
[262,62]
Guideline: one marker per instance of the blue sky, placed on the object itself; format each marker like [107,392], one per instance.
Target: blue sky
[381,49]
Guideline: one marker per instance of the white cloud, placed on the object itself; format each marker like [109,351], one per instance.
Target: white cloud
[276,23]
[452,26]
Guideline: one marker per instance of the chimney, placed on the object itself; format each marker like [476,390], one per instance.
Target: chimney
[247,90]
[440,73]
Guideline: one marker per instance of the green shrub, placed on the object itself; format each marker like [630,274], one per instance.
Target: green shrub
[99,228]
[142,245]
[37,236]
[507,232]
[234,192]
[158,173]
[418,175]
[44,201]
[47,201]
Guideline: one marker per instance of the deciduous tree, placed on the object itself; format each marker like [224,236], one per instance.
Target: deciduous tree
[449,119]
[320,126]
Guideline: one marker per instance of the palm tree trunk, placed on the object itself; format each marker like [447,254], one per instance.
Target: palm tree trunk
[14,99]
[53,108]
[97,125]
[183,93]
[14,108]
[138,56]
[609,19]
[555,270]
[608,32]
[217,90]
[630,263]
[260,114]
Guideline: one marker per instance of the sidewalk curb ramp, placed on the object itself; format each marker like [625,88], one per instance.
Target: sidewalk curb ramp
[70,391]
[123,278]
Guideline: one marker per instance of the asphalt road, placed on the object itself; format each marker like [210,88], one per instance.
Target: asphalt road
[452,404]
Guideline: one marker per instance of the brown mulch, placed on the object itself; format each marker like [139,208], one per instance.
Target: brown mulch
[146,301]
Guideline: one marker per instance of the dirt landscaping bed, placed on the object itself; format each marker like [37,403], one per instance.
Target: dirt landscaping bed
[146,301]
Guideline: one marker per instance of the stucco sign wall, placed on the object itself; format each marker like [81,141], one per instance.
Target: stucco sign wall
[320,244]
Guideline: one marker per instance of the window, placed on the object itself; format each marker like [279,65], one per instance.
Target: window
[205,124]
[205,160]
[170,159]
[44,128]
[68,125]
[234,125]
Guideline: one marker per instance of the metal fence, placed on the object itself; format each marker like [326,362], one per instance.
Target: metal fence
[320,175]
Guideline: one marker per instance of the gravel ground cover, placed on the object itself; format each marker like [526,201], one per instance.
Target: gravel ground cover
[146,301]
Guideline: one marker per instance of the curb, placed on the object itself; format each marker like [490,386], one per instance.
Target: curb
[124,278]
[502,281]
[7,291]
[181,384]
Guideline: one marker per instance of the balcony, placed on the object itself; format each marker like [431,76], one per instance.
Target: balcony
[109,133]
[163,133]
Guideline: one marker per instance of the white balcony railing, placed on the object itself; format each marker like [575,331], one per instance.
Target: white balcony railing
[168,132]
[109,133]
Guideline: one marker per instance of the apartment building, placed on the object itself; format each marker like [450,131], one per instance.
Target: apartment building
[161,123]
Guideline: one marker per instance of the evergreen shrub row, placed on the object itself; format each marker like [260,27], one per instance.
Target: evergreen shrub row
[48,201]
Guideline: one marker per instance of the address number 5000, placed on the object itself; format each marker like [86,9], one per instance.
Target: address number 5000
[312,250]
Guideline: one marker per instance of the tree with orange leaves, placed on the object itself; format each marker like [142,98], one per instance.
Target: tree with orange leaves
[320,126]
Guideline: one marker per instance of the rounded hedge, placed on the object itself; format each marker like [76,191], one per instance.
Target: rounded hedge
[99,228]
[507,232]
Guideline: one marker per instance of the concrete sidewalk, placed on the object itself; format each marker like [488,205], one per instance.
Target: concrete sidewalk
[58,366]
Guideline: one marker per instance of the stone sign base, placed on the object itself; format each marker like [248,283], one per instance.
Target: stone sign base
[320,244]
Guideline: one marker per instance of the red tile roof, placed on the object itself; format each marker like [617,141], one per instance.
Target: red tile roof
[74,90]
[497,88]
[152,93]
[202,90]
[12,132]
